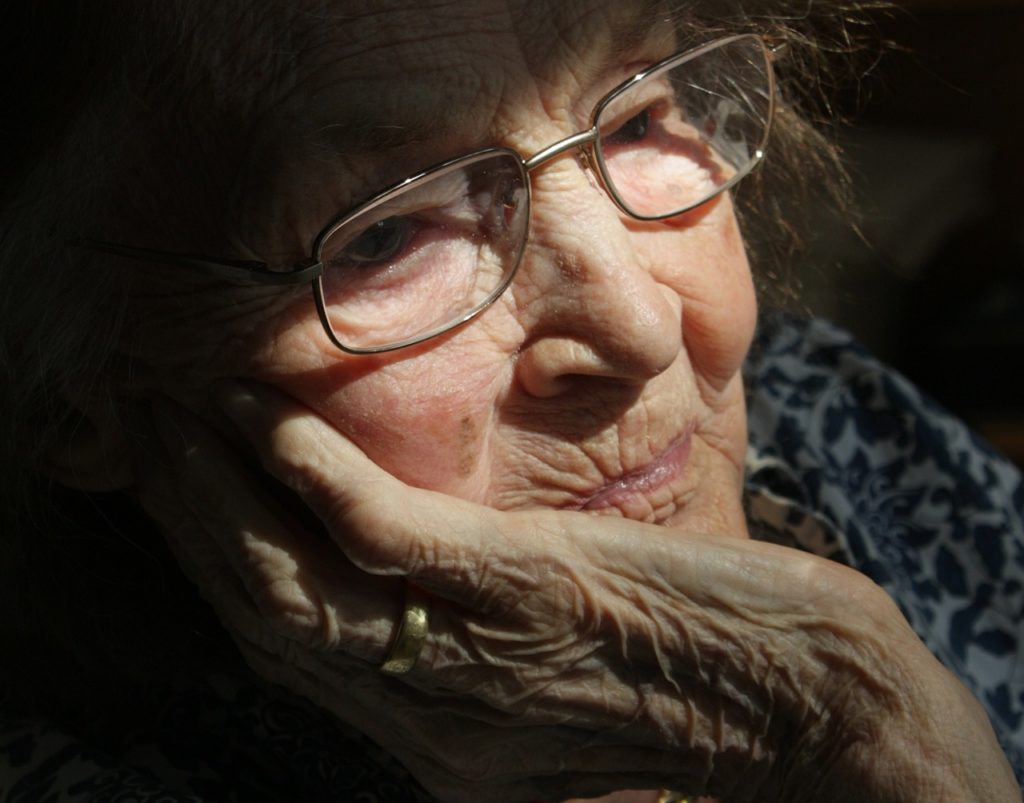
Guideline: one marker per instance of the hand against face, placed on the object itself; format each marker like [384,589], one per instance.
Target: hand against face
[568,654]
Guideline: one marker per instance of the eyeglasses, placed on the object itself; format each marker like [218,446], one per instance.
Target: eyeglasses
[433,251]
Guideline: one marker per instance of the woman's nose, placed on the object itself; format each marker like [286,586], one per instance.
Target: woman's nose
[589,303]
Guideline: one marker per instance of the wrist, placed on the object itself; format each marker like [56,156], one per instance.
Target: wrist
[892,724]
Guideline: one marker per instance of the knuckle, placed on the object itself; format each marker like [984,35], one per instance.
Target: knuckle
[293,467]
[289,612]
[375,539]
[307,474]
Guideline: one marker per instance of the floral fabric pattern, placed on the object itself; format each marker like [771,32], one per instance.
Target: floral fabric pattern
[849,460]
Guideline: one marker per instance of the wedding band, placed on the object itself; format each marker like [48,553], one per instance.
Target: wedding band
[412,632]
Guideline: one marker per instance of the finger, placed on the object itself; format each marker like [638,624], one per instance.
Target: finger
[157,491]
[303,587]
[300,449]
[464,551]
[487,561]
[447,545]
[538,598]
[200,556]
[447,740]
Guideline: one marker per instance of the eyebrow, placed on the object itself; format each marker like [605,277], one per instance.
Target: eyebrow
[363,137]
[364,132]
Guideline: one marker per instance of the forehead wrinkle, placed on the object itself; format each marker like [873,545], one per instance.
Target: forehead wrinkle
[426,81]
[388,106]
[255,63]
[446,103]
[589,36]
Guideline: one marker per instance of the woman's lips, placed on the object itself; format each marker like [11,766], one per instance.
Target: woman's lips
[663,469]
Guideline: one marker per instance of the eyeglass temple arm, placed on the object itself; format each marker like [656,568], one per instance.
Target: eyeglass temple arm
[245,269]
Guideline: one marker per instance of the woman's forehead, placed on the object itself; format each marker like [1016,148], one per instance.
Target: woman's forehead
[352,95]
[374,29]
[407,59]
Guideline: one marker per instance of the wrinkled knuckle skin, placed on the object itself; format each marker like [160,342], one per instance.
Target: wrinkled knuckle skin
[288,612]
[293,468]
[374,537]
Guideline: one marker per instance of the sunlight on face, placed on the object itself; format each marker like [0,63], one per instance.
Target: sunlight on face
[606,377]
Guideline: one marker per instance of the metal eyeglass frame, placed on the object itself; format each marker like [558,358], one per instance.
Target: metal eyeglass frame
[311,270]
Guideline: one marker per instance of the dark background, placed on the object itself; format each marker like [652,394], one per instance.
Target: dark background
[936,144]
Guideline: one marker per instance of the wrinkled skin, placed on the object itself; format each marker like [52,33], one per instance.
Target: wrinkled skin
[569,653]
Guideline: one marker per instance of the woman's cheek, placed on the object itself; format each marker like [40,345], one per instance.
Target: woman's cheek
[708,267]
[426,419]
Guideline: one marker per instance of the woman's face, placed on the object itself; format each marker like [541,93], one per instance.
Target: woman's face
[607,375]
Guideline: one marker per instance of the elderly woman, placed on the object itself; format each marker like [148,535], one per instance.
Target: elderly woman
[416,331]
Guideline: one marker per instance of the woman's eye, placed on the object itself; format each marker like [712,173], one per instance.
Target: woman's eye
[382,241]
[633,130]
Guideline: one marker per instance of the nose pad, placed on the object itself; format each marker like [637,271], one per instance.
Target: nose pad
[588,165]
[585,161]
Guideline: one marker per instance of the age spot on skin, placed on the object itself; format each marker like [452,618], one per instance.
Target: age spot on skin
[467,446]
[570,269]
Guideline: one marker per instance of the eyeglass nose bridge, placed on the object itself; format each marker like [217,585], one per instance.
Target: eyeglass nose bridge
[578,140]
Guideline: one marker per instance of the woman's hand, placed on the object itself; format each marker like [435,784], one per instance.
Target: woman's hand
[568,654]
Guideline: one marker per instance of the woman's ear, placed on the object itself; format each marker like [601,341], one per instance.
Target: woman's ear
[91,452]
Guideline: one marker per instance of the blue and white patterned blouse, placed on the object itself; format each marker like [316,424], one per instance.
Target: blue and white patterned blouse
[846,460]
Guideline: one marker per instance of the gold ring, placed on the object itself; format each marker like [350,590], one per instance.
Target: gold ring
[412,632]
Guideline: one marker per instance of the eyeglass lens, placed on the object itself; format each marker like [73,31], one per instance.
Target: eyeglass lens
[431,253]
[686,131]
[427,255]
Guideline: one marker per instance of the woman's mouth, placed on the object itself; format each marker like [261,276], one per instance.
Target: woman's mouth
[665,468]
